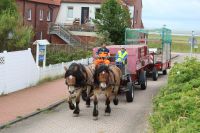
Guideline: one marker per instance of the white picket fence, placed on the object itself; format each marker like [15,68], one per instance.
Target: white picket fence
[18,70]
[52,71]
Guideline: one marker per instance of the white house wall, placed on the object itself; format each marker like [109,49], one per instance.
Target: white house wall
[62,15]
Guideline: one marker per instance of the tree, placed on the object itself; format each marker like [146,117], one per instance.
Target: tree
[7,4]
[113,19]
[13,35]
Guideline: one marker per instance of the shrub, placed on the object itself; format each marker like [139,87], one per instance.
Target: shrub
[177,106]
[59,57]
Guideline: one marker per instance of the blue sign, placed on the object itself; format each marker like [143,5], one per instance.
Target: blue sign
[41,52]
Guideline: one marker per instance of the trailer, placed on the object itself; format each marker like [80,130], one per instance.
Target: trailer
[159,48]
[134,70]
[143,58]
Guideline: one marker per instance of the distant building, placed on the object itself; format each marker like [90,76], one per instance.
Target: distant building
[85,9]
[38,14]
[78,12]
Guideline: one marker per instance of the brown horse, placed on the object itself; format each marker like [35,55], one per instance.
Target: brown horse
[79,78]
[107,80]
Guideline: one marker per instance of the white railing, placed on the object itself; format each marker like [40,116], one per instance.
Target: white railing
[18,70]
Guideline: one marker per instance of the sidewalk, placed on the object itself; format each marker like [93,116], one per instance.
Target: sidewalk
[25,102]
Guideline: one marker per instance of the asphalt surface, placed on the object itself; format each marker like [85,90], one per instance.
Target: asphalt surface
[124,118]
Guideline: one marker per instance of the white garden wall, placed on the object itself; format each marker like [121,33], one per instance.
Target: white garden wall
[18,70]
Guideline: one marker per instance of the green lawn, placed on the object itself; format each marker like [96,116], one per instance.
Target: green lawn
[179,43]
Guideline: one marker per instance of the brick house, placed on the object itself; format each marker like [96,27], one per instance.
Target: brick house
[38,14]
[71,10]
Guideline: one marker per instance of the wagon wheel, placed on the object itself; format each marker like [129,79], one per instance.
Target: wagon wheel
[154,74]
[143,80]
[164,72]
[130,92]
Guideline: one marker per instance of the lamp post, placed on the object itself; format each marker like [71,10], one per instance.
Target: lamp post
[191,41]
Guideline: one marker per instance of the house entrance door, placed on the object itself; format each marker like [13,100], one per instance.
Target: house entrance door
[84,14]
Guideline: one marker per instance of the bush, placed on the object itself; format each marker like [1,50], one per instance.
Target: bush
[59,57]
[177,106]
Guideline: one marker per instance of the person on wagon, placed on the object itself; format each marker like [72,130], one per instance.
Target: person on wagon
[121,56]
[103,53]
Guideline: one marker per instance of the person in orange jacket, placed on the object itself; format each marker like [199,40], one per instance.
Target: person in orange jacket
[102,55]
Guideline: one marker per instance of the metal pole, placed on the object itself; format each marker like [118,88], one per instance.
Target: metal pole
[192,44]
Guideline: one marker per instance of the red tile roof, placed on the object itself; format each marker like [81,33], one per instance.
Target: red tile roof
[52,2]
[129,2]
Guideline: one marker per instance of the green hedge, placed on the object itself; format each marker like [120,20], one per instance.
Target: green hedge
[59,57]
[176,109]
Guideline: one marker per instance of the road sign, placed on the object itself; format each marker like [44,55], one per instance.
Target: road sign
[192,40]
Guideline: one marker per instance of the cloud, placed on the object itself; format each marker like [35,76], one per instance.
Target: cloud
[177,14]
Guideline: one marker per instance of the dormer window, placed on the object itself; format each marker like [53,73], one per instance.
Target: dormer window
[41,15]
[29,14]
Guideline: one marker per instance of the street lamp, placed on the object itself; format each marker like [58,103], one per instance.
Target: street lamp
[192,43]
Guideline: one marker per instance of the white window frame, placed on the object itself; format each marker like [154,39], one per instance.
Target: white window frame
[70,16]
[41,15]
[29,14]
[49,15]
[41,35]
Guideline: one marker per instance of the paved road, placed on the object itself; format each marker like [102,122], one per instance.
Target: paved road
[124,118]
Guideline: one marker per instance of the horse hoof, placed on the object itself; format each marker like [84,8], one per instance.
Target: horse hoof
[95,113]
[75,115]
[115,101]
[95,117]
[107,114]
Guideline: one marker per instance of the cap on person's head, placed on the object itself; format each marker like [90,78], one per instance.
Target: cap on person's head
[103,44]
[123,48]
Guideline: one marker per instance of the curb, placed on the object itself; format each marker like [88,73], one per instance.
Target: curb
[177,55]
[31,114]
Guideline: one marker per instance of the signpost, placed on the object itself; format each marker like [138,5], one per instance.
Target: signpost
[192,42]
[41,51]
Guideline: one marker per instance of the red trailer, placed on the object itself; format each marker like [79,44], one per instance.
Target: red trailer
[134,71]
[142,59]
[159,48]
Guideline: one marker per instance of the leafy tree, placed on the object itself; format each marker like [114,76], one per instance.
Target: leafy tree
[13,35]
[113,18]
[7,4]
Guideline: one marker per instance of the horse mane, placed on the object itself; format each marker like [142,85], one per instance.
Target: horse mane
[77,70]
[98,70]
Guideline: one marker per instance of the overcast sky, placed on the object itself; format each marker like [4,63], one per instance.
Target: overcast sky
[179,15]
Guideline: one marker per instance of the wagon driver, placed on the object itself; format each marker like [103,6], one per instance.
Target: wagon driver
[103,53]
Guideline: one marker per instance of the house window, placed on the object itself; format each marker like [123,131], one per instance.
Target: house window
[41,35]
[41,14]
[70,12]
[29,13]
[97,11]
[49,16]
